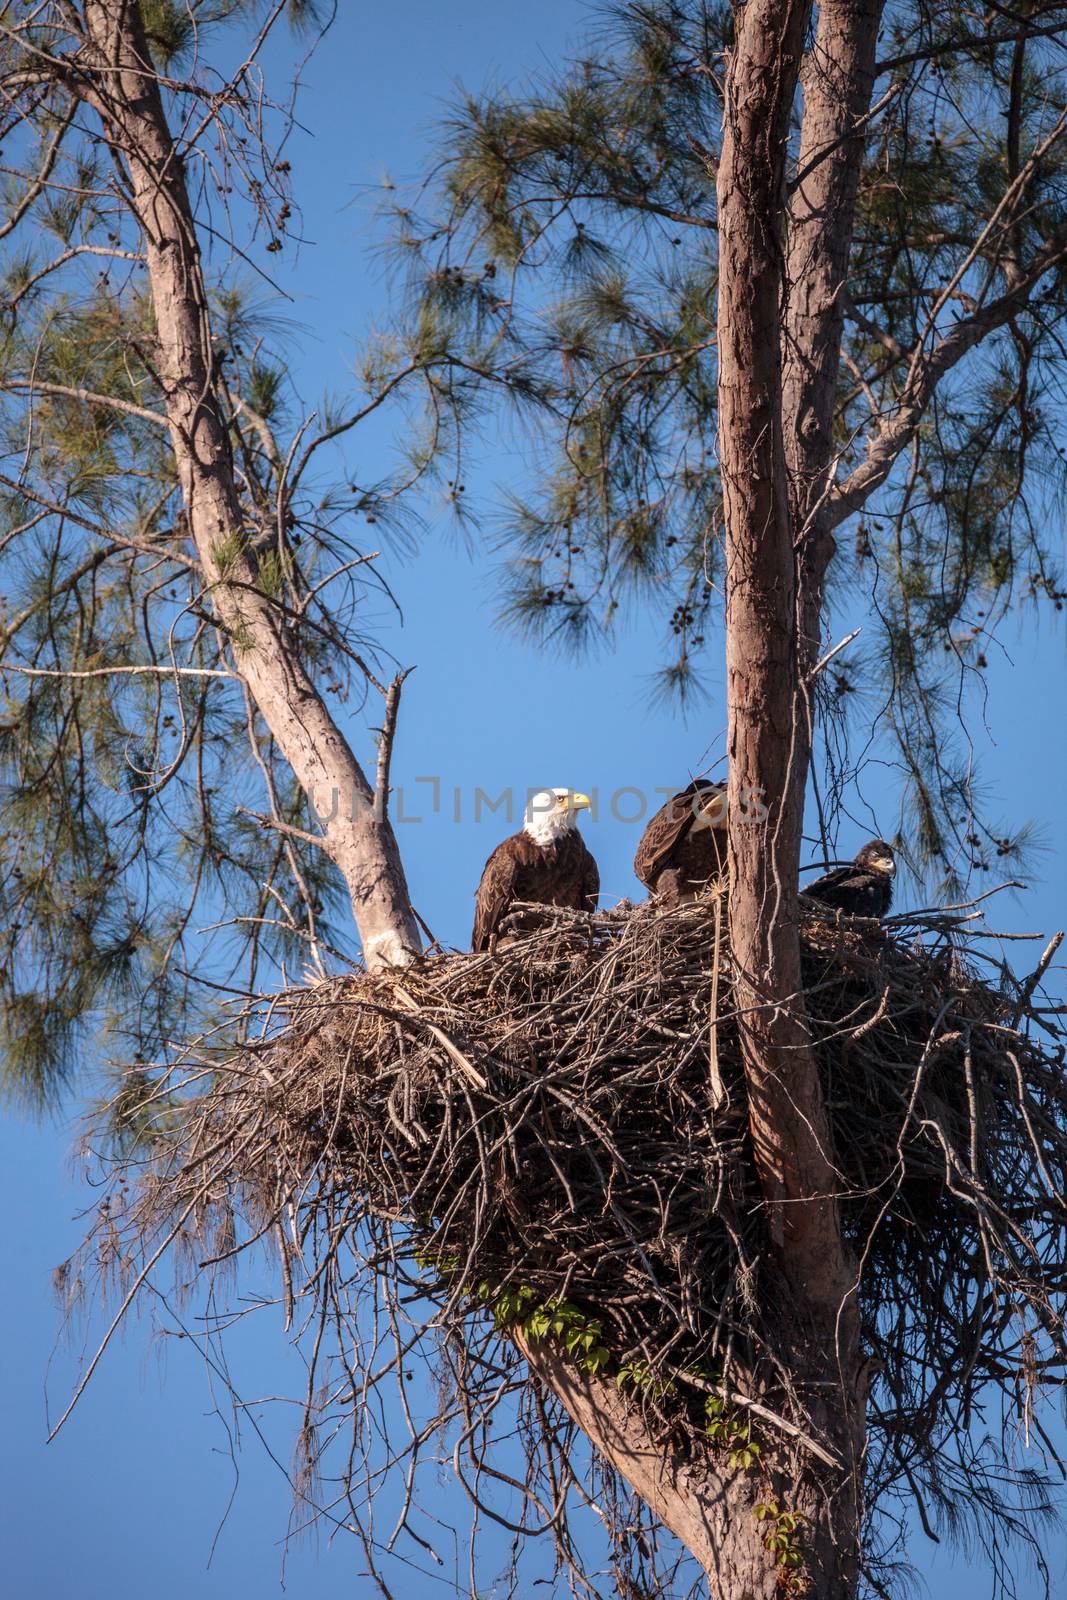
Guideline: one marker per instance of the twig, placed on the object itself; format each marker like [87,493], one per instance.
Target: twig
[285,828]
[830,654]
[385,744]
[718,1092]
[110,672]
[732,1397]
[452,1049]
[1031,983]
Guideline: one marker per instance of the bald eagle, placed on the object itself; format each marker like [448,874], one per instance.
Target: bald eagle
[547,862]
[684,846]
[863,889]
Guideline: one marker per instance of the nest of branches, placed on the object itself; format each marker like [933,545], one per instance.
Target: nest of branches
[563,1123]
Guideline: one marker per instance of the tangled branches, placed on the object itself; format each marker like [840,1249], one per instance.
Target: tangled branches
[553,1140]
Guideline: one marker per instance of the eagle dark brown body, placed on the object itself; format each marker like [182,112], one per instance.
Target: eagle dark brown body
[862,889]
[684,846]
[559,873]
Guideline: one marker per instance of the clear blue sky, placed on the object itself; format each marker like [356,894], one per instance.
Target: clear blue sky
[127,1502]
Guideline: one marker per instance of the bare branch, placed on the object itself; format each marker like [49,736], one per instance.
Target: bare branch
[286,828]
[825,660]
[109,401]
[927,371]
[112,672]
[37,184]
[385,743]
[61,260]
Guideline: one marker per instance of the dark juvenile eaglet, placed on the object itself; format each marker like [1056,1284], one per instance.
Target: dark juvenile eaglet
[547,862]
[684,846]
[863,889]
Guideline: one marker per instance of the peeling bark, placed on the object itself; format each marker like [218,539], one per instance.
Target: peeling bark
[116,79]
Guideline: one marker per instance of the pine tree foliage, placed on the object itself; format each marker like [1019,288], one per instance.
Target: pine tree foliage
[570,230]
[145,809]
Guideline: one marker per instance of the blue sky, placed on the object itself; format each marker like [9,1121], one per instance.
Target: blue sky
[128,1500]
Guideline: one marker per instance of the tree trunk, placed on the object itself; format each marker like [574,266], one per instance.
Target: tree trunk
[838,79]
[121,87]
[709,1505]
[710,1512]
[769,745]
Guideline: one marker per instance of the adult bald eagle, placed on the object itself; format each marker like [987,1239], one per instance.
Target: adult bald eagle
[547,862]
[684,846]
[864,889]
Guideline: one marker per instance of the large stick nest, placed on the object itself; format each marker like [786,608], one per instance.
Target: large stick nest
[568,1115]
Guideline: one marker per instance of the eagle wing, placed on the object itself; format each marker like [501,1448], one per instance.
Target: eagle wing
[495,894]
[590,887]
[853,889]
[665,831]
[839,878]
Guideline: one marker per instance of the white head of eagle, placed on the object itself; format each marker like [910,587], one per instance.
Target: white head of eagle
[550,813]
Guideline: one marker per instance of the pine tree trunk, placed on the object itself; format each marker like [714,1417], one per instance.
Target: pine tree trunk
[781,278]
[710,1506]
[768,657]
[711,1513]
[838,80]
[121,87]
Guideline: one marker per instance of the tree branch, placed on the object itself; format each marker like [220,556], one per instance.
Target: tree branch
[61,261]
[89,396]
[385,746]
[117,81]
[111,672]
[712,1515]
[37,183]
[926,373]
[982,43]
[285,828]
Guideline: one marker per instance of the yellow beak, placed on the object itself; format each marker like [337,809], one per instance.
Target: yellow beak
[581,802]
